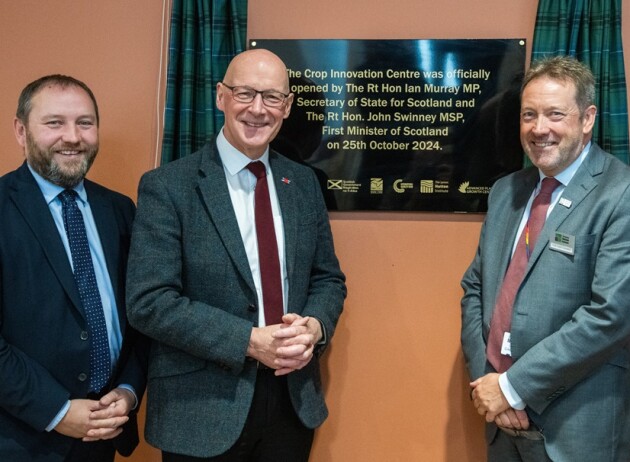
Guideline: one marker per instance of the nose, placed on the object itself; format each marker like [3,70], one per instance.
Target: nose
[540,125]
[257,104]
[71,133]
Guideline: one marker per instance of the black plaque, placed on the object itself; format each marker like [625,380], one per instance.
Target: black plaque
[425,125]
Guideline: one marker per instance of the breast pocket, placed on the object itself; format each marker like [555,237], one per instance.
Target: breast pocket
[573,271]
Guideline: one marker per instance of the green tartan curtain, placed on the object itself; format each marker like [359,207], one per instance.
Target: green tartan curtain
[590,30]
[205,36]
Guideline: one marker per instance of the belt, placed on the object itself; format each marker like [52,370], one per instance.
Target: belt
[534,435]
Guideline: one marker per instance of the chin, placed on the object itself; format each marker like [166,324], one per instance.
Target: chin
[257,144]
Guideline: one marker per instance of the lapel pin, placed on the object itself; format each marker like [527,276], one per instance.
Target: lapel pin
[565,202]
[285,180]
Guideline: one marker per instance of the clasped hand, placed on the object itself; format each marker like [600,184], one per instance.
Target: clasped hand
[93,420]
[491,403]
[285,347]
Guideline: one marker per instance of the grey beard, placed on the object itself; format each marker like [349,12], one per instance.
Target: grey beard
[57,176]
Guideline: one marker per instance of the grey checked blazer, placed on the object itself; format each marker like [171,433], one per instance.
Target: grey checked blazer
[191,290]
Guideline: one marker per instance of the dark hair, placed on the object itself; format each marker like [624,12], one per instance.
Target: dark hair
[25,100]
[565,68]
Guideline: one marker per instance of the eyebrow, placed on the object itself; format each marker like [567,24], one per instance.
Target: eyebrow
[60,116]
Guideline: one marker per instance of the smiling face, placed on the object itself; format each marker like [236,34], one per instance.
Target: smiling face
[250,127]
[553,131]
[60,137]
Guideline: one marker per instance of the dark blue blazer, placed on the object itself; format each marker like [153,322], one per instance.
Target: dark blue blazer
[43,359]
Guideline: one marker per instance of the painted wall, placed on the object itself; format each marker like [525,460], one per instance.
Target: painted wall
[395,378]
[114,46]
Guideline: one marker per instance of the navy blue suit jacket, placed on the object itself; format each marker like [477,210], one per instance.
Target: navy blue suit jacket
[43,359]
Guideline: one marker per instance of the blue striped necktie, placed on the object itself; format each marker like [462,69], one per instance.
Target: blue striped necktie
[100,363]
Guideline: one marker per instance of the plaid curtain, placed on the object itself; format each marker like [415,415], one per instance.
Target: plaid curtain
[205,36]
[590,30]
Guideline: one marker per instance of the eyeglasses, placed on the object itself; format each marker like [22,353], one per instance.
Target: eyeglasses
[270,98]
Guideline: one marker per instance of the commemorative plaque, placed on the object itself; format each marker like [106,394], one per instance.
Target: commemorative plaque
[418,125]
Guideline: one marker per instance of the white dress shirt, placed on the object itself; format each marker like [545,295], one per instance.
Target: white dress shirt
[241,184]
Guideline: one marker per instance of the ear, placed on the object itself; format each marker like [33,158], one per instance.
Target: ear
[220,97]
[20,132]
[287,107]
[588,120]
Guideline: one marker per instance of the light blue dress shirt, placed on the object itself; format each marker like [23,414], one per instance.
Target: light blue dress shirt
[103,281]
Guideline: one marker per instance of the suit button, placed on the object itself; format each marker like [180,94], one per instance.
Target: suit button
[252,308]
[84,335]
[82,377]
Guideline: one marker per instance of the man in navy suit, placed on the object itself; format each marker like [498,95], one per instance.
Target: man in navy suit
[553,380]
[51,409]
[227,381]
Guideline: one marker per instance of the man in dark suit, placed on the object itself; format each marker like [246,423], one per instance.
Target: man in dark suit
[238,318]
[57,403]
[546,316]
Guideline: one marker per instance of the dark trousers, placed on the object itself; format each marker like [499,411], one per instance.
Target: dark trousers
[506,448]
[97,451]
[272,433]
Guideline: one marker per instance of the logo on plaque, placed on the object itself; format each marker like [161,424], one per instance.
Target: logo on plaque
[465,188]
[376,186]
[346,186]
[335,184]
[400,187]
[426,186]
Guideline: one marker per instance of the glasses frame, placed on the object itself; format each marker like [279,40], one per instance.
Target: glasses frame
[256,92]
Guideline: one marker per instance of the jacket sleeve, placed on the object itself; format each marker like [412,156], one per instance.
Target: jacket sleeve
[160,274]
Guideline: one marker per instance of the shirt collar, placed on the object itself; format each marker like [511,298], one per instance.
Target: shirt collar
[233,159]
[51,190]
[567,174]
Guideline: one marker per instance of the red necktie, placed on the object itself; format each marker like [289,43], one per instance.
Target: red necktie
[268,259]
[502,316]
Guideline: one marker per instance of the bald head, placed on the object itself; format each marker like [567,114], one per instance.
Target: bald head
[268,69]
[254,97]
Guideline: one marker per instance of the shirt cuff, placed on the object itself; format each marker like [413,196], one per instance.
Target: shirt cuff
[324,338]
[133,392]
[60,415]
[510,393]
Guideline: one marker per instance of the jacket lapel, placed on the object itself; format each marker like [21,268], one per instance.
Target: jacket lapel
[517,208]
[216,197]
[107,230]
[582,183]
[30,202]
[108,233]
[282,175]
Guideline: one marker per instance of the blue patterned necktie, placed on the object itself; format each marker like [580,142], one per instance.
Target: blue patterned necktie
[85,278]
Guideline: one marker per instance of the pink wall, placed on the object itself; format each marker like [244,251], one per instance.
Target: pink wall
[396,384]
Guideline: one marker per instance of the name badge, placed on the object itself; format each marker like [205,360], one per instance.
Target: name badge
[506,345]
[564,243]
